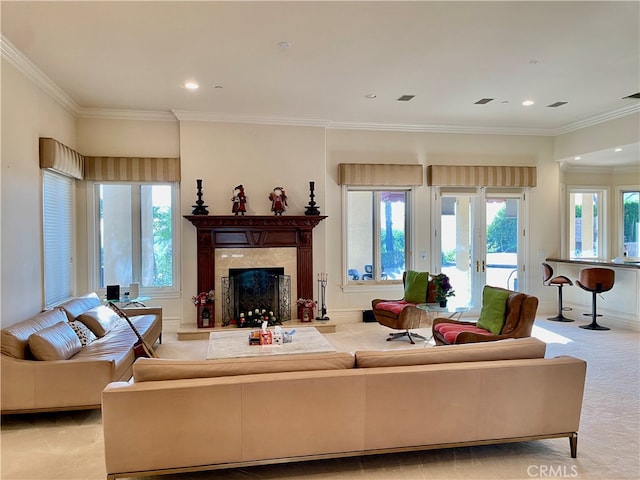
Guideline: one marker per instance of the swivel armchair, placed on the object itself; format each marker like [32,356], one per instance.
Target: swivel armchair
[596,281]
[558,281]
[404,314]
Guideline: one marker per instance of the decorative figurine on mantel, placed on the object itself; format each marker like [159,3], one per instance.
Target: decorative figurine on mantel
[311,208]
[239,200]
[199,208]
[278,200]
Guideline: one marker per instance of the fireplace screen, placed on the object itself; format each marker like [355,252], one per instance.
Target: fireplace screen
[249,289]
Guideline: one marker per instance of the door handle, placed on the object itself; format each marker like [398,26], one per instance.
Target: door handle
[477,266]
[483,267]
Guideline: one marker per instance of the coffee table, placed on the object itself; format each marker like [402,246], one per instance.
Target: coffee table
[234,343]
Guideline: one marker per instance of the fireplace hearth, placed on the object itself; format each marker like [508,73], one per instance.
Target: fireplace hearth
[250,295]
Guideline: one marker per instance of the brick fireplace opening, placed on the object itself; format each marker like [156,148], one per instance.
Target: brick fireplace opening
[240,242]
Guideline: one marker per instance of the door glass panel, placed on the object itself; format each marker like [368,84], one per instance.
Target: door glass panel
[456,246]
[502,242]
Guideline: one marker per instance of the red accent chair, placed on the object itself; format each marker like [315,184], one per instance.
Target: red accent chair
[402,315]
[520,313]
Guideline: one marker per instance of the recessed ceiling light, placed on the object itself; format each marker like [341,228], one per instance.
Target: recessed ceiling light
[577,158]
[528,103]
[283,44]
[617,149]
[371,95]
[405,98]
[191,86]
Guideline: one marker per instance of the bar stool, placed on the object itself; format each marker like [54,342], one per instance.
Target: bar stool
[596,280]
[560,281]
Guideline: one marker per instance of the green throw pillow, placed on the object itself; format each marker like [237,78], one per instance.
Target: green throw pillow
[415,286]
[494,305]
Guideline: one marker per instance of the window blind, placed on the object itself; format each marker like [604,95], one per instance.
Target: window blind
[60,158]
[132,169]
[481,176]
[58,237]
[379,174]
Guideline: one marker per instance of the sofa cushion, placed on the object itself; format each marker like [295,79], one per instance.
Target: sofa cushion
[100,319]
[57,342]
[76,306]
[15,338]
[394,307]
[508,349]
[415,286]
[156,369]
[85,335]
[494,304]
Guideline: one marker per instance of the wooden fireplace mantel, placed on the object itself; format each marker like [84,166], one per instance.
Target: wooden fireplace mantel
[255,231]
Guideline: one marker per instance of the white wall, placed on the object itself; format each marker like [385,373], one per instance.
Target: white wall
[260,157]
[27,114]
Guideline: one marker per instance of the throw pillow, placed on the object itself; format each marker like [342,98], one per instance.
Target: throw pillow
[100,319]
[415,286]
[494,304]
[85,335]
[57,342]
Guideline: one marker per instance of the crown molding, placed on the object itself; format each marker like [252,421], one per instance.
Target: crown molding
[602,170]
[436,128]
[601,118]
[37,76]
[113,114]
[185,115]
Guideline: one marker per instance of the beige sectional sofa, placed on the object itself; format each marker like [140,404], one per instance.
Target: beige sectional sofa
[45,367]
[176,416]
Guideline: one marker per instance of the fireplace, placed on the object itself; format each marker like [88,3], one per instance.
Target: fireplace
[254,292]
[252,233]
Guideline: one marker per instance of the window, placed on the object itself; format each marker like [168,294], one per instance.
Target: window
[136,235]
[630,222]
[586,223]
[377,234]
[58,237]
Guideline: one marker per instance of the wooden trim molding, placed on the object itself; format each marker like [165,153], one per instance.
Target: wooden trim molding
[259,231]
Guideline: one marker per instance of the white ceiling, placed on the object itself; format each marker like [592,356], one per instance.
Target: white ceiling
[136,56]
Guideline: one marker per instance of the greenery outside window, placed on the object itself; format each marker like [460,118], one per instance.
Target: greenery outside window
[137,236]
[630,222]
[587,212]
[377,234]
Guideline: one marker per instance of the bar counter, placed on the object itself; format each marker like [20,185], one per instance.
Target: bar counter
[620,306]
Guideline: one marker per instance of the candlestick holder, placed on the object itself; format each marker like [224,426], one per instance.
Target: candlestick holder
[311,208]
[199,208]
[322,291]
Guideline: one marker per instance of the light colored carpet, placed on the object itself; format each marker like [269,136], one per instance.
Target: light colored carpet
[69,445]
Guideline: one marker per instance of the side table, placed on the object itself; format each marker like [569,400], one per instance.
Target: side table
[448,311]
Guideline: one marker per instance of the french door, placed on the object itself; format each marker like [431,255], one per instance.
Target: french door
[478,240]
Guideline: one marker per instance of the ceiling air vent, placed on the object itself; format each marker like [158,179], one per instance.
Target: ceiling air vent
[635,95]
[405,98]
[557,104]
[484,101]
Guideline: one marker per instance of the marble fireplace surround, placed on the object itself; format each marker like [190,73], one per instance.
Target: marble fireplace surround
[243,239]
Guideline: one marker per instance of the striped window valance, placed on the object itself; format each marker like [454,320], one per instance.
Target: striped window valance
[481,176]
[379,174]
[132,169]
[60,158]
